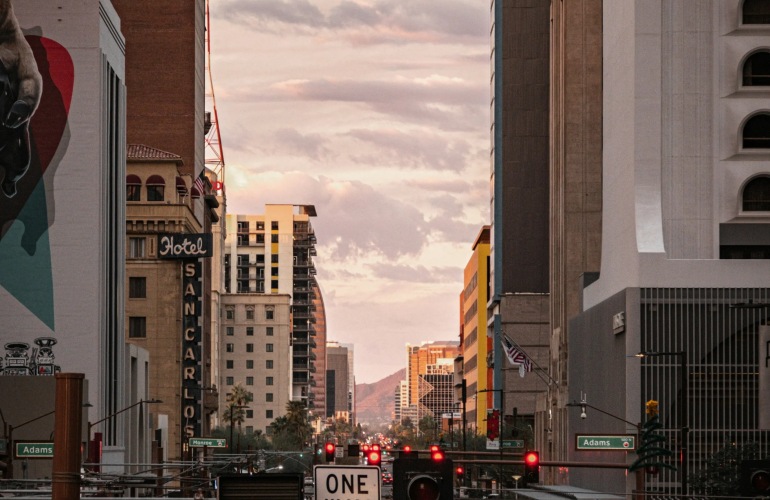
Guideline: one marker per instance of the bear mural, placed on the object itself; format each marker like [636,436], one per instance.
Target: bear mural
[36,85]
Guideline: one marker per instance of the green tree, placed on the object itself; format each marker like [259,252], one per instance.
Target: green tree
[234,412]
[721,475]
[292,430]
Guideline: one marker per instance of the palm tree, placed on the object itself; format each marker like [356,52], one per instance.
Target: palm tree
[296,416]
[234,414]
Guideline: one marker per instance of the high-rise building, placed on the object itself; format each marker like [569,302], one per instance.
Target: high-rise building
[272,255]
[684,234]
[421,361]
[340,392]
[474,343]
[519,259]
[62,226]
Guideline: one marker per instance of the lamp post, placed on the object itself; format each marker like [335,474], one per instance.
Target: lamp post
[683,407]
[500,429]
[583,405]
[108,417]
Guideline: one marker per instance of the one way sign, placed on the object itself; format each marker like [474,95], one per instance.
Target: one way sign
[332,482]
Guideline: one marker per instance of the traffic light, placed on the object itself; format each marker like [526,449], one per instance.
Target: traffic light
[374,457]
[531,467]
[755,478]
[436,453]
[406,452]
[329,448]
[423,479]
[459,473]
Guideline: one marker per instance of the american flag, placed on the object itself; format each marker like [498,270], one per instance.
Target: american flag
[516,356]
[200,183]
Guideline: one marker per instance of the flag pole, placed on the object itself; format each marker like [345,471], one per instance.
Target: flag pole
[538,369]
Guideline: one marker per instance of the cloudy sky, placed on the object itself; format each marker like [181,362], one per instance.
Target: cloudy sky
[377,113]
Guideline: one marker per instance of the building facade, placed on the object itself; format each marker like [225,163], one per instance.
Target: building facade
[422,360]
[684,268]
[339,396]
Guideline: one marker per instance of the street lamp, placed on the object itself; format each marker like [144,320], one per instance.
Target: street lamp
[500,428]
[683,405]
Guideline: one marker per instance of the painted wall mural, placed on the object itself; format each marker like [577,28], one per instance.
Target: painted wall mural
[36,86]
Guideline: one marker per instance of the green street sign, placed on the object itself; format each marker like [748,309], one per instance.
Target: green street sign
[210,442]
[619,442]
[513,443]
[34,450]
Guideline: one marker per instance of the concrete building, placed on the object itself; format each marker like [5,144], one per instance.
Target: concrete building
[160,204]
[519,259]
[422,360]
[271,255]
[61,289]
[685,236]
[340,382]
[475,346]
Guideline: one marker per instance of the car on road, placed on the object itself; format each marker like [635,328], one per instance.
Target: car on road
[387,478]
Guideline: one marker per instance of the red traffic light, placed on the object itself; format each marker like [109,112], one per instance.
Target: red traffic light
[374,457]
[532,459]
[531,467]
[460,471]
[436,453]
[407,449]
[329,447]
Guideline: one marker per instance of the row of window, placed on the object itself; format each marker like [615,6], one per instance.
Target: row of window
[243,226]
[230,313]
[249,381]
[155,188]
[229,347]
[230,331]
[230,364]
[243,239]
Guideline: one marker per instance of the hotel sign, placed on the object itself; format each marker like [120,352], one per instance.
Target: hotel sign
[192,304]
[184,246]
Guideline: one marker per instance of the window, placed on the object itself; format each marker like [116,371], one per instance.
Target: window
[249,380]
[229,331]
[756,70]
[249,313]
[229,314]
[230,347]
[756,12]
[133,188]
[249,347]
[260,259]
[260,225]
[269,312]
[155,188]
[269,364]
[274,284]
[137,248]
[137,288]
[268,413]
[269,347]
[274,271]
[260,239]
[249,414]
[229,364]
[273,238]
[756,132]
[243,226]
[137,327]
[756,195]
[274,258]
[269,331]
[249,364]
[269,381]
[250,331]
[274,225]
[229,380]
[269,397]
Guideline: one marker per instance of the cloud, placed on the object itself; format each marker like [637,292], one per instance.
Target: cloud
[415,273]
[289,140]
[384,21]
[412,149]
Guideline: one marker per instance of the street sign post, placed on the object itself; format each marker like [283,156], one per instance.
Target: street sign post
[361,482]
[612,442]
[198,442]
[33,450]
[513,443]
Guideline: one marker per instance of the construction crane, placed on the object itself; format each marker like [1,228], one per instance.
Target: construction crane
[214,156]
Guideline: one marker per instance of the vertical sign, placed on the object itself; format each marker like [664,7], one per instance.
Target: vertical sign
[192,302]
[763,360]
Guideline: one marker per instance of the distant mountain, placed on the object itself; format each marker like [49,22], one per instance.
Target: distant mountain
[375,403]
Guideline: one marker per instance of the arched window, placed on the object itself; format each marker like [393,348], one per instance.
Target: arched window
[756,70]
[133,188]
[155,188]
[181,186]
[756,132]
[756,195]
[756,12]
